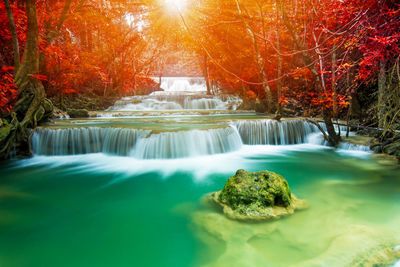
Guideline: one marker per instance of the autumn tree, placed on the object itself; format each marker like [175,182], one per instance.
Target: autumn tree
[32,105]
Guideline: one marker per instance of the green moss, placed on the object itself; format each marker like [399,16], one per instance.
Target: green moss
[393,149]
[255,190]
[78,113]
[5,129]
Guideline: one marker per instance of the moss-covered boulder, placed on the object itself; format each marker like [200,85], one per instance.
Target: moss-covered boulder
[393,149]
[5,129]
[78,113]
[256,196]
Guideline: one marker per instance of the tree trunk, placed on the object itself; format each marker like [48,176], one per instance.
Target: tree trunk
[381,94]
[206,73]
[334,139]
[32,105]
[259,60]
[14,36]
[279,70]
[64,14]
[334,88]
[134,84]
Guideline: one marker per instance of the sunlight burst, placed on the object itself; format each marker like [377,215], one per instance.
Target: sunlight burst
[176,5]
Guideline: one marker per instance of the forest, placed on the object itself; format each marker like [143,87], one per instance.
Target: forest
[339,59]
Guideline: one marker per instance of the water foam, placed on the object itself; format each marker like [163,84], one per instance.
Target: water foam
[200,166]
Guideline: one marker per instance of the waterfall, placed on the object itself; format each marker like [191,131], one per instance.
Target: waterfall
[76,141]
[182,144]
[354,147]
[204,103]
[147,144]
[138,143]
[174,85]
[175,102]
[144,104]
[272,132]
[189,93]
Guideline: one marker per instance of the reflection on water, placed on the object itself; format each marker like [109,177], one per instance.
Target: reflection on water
[343,226]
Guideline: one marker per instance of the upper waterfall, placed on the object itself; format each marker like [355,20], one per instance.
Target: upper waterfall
[186,85]
[179,93]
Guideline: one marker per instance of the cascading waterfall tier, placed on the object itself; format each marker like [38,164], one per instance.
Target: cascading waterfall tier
[175,102]
[147,144]
[141,144]
[169,145]
[76,141]
[179,93]
[179,85]
[354,147]
[272,132]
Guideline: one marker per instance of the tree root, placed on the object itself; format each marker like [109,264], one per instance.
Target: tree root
[326,137]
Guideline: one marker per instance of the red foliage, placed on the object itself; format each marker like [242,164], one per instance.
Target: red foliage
[8,90]
[38,77]
[95,50]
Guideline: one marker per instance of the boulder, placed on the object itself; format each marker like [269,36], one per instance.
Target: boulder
[5,129]
[392,149]
[255,196]
[78,113]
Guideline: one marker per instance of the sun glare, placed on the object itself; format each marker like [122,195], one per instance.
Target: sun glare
[176,5]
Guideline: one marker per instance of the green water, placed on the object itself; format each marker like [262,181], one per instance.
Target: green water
[98,210]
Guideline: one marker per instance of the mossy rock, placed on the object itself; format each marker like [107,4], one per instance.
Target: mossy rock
[393,149]
[78,113]
[5,129]
[256,196]
[48,107]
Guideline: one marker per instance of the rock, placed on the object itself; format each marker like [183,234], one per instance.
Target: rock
[255,196]
[39,114]
[248,105]
[261,106]
[59,114]
[377,148]
[78,113]
[392,149]
[48,108]
[5,129]
[378,257]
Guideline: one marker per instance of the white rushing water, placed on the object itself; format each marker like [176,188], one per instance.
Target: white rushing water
[161,102]
[142,144]
[272,132]
[354,147]
[179,93]
[75,141]
[201,165]
[184,144]
[179,85]
[147,144]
